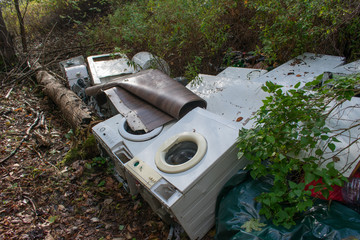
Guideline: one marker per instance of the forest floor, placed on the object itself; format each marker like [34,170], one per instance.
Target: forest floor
[43,198]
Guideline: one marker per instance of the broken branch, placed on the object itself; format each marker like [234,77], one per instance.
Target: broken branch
[24,138]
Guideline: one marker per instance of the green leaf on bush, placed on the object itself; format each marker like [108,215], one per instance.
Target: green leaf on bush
[332,146]
[324,137]
[309,177]
[297,85]
[270,139]
[319,152]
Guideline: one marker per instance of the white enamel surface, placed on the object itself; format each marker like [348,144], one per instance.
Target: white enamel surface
[108,132]
[242,73]
[219,133]
[234,99]
[303,68]
[345,116]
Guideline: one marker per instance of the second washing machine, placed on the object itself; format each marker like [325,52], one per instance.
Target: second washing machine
[185,168]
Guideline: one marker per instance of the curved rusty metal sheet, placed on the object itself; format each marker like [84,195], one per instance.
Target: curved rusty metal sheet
[154,96]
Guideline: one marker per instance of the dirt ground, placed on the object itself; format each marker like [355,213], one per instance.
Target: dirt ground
[42,199]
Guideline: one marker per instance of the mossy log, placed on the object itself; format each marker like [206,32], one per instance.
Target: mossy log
[74,111]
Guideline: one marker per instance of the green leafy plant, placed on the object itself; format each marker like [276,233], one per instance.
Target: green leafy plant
[290,27]
[192,71]
[83,147]
[176,31]
[99,162]
[289,142]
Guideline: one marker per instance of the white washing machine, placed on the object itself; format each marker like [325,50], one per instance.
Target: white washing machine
[234,99]
[344,124]
[121,143]
[185,168]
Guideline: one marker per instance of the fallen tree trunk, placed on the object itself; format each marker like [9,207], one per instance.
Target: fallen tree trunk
[74,110]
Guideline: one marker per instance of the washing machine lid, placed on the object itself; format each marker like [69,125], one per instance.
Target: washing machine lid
[124,131]
[181,152]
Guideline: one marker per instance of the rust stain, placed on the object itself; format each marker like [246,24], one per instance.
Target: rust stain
[239,119]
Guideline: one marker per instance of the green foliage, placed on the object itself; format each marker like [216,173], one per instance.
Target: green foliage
[72,155]
[42,16]
[193,69]
[171,29]
[289,142]
[83,148]
[77,11]
[99,162]
[290,27]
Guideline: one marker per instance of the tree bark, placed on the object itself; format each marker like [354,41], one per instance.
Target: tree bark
[74,110]
[22,26]
[7,49]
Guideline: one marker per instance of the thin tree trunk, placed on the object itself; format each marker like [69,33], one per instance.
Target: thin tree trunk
[7,50]
[22,26]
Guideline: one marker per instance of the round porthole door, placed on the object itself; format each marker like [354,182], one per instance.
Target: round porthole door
[136,136]
[181,152]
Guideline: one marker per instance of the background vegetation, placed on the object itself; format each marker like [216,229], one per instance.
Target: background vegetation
[194,36]
[185,32]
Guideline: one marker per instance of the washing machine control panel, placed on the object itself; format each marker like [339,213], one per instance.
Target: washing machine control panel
[143,172]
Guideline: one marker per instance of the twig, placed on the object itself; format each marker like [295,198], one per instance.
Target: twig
[32,203]
[23,140]
[9,92]
[65,82]
[43,49]
[18,76]
[42,159]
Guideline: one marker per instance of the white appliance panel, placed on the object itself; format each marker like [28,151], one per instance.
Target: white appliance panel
[220,137]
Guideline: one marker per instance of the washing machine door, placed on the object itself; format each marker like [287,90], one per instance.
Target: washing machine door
[138,136]
[181,152]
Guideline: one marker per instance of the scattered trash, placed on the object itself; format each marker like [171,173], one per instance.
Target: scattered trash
[236,205]
[114,71]
[105,67]
[149,97]
[75,71]
[351,193]
[146,60]
[183,80]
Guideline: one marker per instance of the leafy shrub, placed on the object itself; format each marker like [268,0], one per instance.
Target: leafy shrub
[289,142]
[177,31]
[42,16]
[290,27]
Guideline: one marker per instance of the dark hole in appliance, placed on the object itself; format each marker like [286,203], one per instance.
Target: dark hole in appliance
[129,130]
[181,153]
[122,156]
[106,58]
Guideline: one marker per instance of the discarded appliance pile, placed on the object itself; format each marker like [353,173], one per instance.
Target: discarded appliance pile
[176,144]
